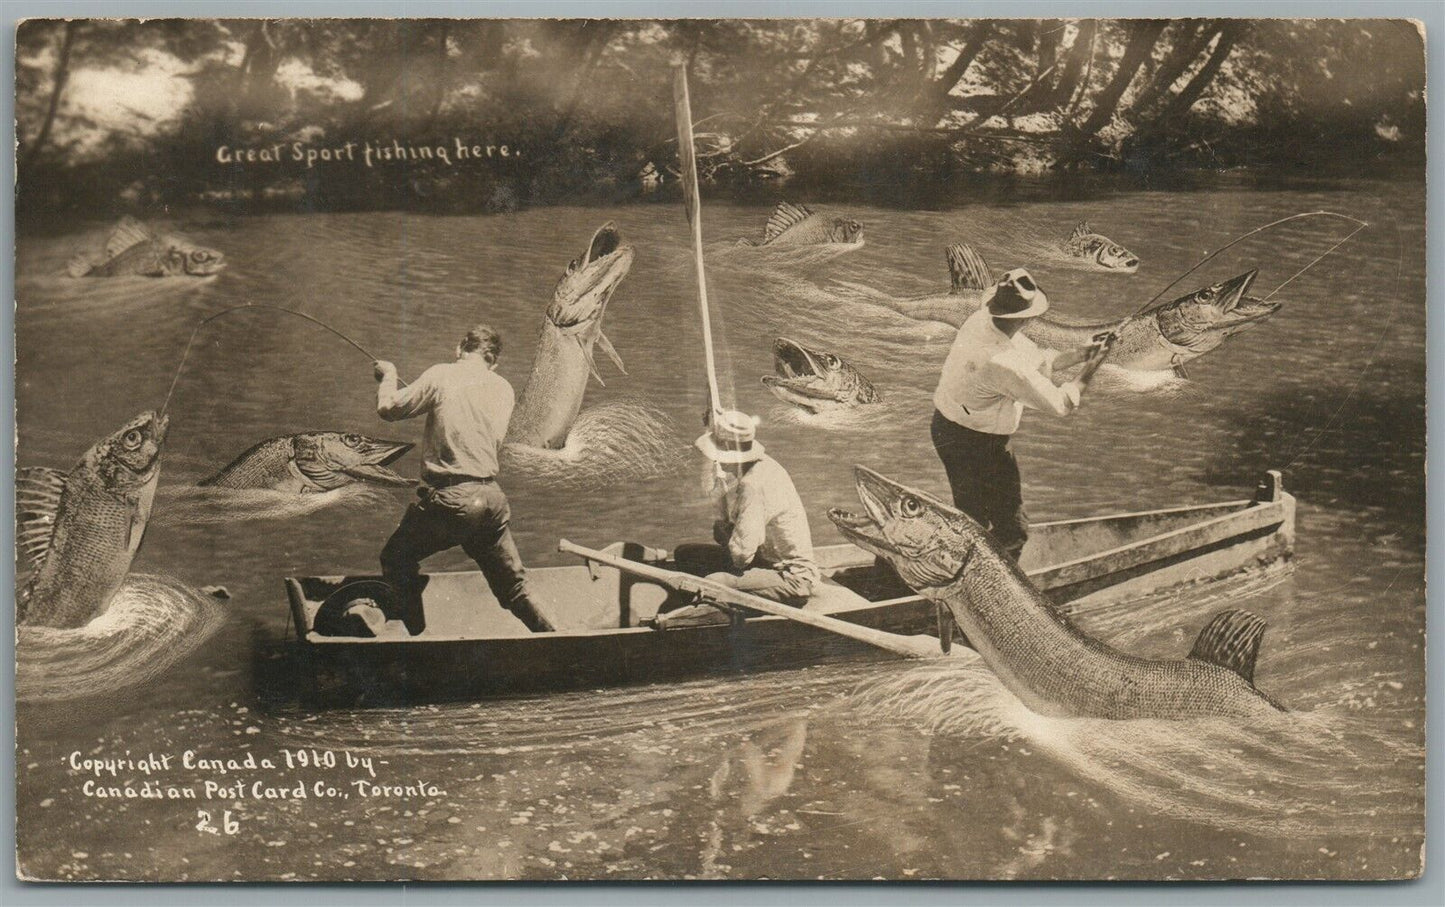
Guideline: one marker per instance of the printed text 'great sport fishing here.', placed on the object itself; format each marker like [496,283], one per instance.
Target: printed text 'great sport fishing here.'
[368,153]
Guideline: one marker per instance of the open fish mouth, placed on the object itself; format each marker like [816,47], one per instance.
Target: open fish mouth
[376,456]
[793,360]
[861,531]
[584,290]
[385,453]
[885,501]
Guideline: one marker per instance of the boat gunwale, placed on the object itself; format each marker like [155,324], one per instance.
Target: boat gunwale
[1234,509]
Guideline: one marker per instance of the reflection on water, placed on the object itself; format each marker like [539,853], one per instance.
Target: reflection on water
[875,768]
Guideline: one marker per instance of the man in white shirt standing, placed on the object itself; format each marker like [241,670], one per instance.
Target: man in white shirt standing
[467,406]
[991,374]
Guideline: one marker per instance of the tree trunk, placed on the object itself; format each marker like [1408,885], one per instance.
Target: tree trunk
[944,84]
[58,82]
[1192,41]
[1046,65]
[1141,44]
[1079,53]
[1181,102]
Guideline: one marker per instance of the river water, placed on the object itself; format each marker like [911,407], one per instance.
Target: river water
[856,770]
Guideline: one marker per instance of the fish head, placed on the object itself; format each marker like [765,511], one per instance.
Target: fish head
[328,456]
[808,377]
[845,230]
[926,541]
[130,458]
[181,256]
[1111,255]
[583,291]
[1202,320]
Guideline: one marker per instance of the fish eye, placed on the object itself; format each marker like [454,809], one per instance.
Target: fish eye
[131,439]
[351,440]
[910,506]
[572,266]
[831,360]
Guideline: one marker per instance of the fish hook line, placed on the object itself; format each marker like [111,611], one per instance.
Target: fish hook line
[1239,239]
[1321,258]
[253,305]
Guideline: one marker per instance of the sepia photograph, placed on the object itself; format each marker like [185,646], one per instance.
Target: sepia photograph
[722,449]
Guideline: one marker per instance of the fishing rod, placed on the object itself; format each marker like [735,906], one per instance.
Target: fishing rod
[256,305]
[1093,366]
[692,201]
[1241,238]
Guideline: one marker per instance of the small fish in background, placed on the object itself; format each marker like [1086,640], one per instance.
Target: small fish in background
[79,531]
[1085,243]
[313,462]
[133,249]
[816,379]
[796,225]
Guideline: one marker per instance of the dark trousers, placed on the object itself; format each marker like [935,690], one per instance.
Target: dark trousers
[474,515]
[984,477]
[759,578]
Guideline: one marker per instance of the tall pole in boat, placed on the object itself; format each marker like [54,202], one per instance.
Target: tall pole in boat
[687,156]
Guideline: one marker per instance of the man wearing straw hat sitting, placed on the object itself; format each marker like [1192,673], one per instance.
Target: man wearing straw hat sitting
[991,374]
[764,545]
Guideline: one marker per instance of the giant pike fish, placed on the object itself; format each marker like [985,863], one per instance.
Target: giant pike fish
[1162,337]
[78,531]
[815,380]
[1043,659]
[1083,242]
[552,398]
[313,462]
[135,249]
[796,225]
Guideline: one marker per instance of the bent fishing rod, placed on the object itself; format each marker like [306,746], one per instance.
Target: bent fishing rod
[258,305]
[1108,338]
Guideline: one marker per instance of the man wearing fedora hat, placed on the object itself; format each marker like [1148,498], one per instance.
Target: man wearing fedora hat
[992,373]
[764,545]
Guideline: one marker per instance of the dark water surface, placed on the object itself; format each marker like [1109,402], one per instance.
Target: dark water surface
[873,769]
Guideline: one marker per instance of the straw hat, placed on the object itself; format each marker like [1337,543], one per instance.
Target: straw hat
[1016,296]
[731,438]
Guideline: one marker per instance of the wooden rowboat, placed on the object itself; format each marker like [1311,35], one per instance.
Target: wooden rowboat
[471,647]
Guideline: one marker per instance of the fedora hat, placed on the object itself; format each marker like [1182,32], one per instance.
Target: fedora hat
[1016,296]
[731,438]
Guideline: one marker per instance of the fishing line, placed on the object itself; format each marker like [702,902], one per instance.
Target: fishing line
[255,305]
[1315,262]
[1236,241]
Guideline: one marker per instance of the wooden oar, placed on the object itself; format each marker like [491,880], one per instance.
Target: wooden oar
[921,646]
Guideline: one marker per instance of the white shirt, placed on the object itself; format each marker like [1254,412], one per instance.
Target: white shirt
[989,377]
[467,408]
[768,519]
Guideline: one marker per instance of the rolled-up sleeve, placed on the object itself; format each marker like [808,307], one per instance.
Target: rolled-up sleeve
[394,404]
[1031,388]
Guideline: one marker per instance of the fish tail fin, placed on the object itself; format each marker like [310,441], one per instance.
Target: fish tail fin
[967,269]
[79,265]
[1231,640]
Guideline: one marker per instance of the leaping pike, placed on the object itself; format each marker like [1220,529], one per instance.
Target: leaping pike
[1043,659]
[1162,337]
[552,398]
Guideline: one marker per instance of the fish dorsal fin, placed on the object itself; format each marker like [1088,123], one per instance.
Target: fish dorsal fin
[1082,230]
[967,269]
[129,232]
[1231,640]
[37,501]
[784,216]
[79,265]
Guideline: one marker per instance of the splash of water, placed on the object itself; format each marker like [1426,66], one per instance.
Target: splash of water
[609,443]
[152,623]
[208,504]
[1312,773]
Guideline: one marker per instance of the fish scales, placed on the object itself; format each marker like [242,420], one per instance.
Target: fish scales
[1036,651]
